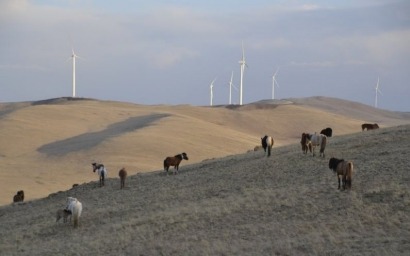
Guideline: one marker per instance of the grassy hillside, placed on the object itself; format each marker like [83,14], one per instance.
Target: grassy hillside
[47,146]
[243,204]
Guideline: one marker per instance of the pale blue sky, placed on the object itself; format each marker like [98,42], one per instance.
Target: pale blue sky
[168,52]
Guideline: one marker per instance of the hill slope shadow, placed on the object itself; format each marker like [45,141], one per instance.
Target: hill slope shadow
[89,140]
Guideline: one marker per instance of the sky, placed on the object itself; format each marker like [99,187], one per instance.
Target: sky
[169,52]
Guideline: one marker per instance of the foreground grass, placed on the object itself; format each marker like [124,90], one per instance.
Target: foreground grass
[246,204]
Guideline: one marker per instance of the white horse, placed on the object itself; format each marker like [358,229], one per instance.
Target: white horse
[75,207]
[102,172]
[318,140]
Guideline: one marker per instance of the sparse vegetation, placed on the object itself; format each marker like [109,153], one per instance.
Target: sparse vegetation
[244,204]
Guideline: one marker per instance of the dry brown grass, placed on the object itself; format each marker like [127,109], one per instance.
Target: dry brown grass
[241,204]
[49,145]
[244,204]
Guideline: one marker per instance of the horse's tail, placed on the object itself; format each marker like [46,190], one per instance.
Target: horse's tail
[349,174]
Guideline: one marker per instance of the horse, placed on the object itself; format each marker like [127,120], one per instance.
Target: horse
[102,172]
[123,174]
[174,161]
[317,140]
[63,213]
[19,197]
[75,207]
[306,144]
[342,168]
[369,126]
[267,144]
[327,131]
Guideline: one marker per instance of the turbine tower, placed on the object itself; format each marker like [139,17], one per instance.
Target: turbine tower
[377,91]
[230,89]
[211,88]
[74,56]
[242,63]
[273,84]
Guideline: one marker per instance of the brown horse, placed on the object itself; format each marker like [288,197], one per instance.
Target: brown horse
[306,144]
[123,174]
[19,197]
[267,144]
[174,161]
[370,126]
[342,168]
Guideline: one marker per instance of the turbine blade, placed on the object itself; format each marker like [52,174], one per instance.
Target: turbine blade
[276,83]
[276,72]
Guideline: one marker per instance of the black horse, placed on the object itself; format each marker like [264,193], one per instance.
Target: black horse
[327,131]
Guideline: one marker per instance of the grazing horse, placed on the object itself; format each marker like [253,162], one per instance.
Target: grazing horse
[75,207]
[123,174]
[174,161]
[342,168]
[370,126]
[306,144]
[317,140]
[19,197]
[327,131]
[63,213]
[267,144]
[102,172]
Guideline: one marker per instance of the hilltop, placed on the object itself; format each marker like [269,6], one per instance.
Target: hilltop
[49,145]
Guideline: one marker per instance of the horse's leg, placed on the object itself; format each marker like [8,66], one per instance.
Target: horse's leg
[338,180]
[344,182]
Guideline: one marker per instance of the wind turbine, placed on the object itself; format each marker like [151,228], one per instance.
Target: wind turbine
[74,56]
[242,63]
[230,89]
[211,88]
[377,91]
[273,84]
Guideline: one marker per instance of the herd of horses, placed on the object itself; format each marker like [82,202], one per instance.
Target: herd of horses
[342,168]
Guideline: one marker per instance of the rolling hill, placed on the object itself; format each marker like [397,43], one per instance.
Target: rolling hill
[48,145]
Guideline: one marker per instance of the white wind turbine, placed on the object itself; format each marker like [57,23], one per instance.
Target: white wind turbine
[377,91]
[211,88]
[74,56]
[230,89]
[273,84]
[242,63]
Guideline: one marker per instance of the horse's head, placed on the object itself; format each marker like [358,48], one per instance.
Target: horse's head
[264,143]
[184,156]
[332,163]
[303,142]
[94,166]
